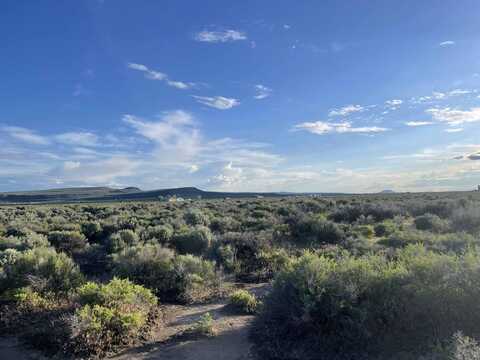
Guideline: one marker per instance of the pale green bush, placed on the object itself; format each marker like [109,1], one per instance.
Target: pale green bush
[243,301]
[111,315]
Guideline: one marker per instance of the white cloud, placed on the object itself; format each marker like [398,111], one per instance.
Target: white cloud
[321,128]
[262,92]
[220,36]
[71,165]
[459,92]
[139,67]
[419,123]
[78,138]
[454,116]
[25,135]
[175,136]
[437,95]
[454,130]
[393,104]
[346,110]
[149,74]
[447,43]
[193,169]
[229,176]
[286,27]
[157,75]
[179,84]
[217,102]
[162,131]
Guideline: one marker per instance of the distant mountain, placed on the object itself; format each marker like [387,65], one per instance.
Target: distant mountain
[98,194]
[64,194]
[387,191]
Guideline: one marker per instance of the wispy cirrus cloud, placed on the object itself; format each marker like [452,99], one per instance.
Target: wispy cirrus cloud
[454,130]
[262,92]
[220,36]
[78,138]
[346,110]
[25,135]
[322,128]
[217,102]
[447,43]
[157,75]
[419,123]
[438,96]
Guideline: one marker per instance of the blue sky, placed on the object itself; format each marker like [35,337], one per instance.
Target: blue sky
[354,96]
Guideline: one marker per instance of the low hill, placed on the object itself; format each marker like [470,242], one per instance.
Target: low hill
[63,194]
[83,194]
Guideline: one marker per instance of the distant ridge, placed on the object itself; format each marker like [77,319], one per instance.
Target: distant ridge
[63,194]
[98,194]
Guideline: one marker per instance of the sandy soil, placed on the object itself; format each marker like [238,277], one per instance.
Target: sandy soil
[229,343]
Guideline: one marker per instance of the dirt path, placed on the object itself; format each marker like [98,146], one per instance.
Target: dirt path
[171,342]
[230,342]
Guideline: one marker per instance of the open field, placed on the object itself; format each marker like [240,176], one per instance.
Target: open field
[379,276]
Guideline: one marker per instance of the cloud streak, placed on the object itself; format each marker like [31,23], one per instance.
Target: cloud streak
[447,43]
[418,123]
[217,102]
[159,76]
[322,128]
[78,138]
[25,135]
[220,36]
[262,92]
[346,110]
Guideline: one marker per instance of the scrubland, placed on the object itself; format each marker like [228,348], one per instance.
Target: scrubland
[392,276]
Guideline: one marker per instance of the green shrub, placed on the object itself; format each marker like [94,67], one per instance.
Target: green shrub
[92,230]
[195,279]
[430,222]
[120,240]
[196,217]
[160,234]
[111,315]
[369,306]
[466,219]
[183,278]
[196,241]
[271,262]
[225,256]
[456,242]
[56,272]
[150,265]
[70,242]
[366,231]
[204,326]
[243,301]
[315,231]
[28,241]
[384,228]
[41,320]
[223,224]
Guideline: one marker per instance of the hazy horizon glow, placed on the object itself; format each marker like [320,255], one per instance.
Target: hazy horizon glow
[246,96]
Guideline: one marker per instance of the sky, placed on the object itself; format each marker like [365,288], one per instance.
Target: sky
[273,95]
